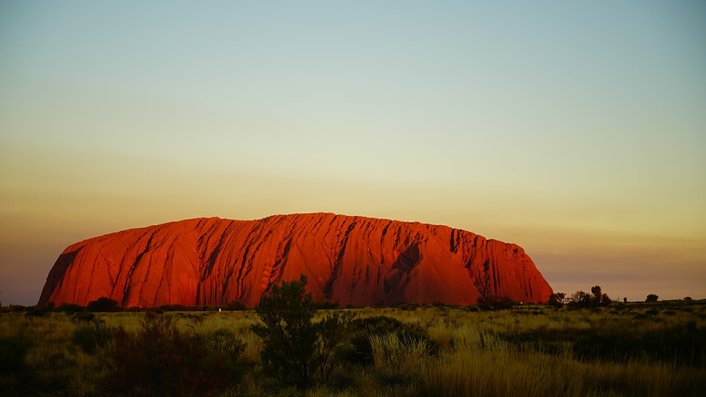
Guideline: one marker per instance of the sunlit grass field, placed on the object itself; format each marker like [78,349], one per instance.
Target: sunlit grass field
[634,349]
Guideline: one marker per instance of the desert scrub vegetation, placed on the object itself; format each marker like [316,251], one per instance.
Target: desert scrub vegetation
[615,349]
[295,350]
[161,360]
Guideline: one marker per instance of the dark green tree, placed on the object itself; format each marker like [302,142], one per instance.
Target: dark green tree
[597,293]
[580,299]
[296,351]
[556,299]
[651,298]
[288,334]
[605,299]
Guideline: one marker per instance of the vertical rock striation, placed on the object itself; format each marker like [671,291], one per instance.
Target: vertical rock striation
[349,260]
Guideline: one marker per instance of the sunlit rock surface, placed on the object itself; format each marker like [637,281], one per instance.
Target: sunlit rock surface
[349,260]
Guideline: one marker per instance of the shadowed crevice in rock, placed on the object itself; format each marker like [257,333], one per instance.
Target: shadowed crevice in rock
[396,280]
[328,289]
[56,275]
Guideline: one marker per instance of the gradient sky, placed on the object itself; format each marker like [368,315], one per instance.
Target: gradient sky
[575,129]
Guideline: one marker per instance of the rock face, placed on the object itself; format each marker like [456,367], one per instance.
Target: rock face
[349,260]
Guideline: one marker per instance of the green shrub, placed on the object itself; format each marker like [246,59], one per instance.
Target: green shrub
[288,335]
[80,317]
[38,311]
[224,345]
[391,351]
[295,350]
[92,336]
[359,349]
[159,360]
[332,330]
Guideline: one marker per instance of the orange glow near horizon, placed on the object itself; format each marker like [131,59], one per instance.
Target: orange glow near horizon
[524,124]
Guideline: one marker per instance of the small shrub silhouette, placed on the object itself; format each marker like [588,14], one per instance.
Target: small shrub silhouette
[102,304]
[492,302]
[235,306]
[80,317]
[70,308]
[651,298]
[173,308]
[38,311]
[556,299]
[597,297]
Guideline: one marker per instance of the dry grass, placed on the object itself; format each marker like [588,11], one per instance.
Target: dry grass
[390,351]
[473,358]
[503,371]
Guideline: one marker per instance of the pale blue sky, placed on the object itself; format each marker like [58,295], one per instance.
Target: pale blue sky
[576,129]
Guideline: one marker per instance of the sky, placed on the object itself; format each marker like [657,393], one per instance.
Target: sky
[574,129]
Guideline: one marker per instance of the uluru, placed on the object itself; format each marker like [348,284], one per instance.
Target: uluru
[349,260]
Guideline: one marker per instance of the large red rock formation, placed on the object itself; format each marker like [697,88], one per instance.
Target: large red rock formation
[348,260]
